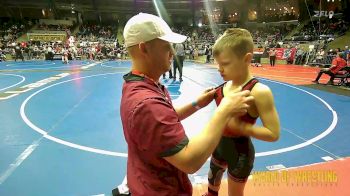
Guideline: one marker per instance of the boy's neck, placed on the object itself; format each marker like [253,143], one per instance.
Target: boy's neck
[242,81]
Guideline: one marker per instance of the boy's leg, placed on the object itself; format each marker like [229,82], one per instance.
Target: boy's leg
[217,169]
[240,165]
[218,166]
[235,188]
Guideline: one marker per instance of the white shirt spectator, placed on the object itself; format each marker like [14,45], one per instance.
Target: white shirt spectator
[179,50]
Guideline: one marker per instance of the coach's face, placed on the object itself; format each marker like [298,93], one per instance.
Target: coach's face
[160,54]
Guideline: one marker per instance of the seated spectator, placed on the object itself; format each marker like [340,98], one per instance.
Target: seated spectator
[338,64]
[99,55]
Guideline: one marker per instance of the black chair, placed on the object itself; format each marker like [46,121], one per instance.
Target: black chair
[343,76]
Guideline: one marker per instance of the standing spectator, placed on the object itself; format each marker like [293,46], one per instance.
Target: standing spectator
[191,48]
[49,53]
[299,56]
[26,52]
[272,55]
[30,51]
[179,59]
[208,52]
[195,53]
[36,52]
[18,52]
[65,53]
[170,74]
[92,53]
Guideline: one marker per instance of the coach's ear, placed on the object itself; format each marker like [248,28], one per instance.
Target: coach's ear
[248,57]
[143,48]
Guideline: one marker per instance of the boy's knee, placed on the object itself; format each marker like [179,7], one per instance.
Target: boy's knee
[215,174]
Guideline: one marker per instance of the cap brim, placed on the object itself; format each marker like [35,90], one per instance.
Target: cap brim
[173,38]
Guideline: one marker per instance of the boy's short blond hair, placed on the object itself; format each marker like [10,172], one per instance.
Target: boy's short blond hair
[239,41]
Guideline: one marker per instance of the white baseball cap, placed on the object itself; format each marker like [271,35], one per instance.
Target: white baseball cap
[146,27]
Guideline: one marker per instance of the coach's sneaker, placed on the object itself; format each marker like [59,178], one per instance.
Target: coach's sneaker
[211,193]
[121,190]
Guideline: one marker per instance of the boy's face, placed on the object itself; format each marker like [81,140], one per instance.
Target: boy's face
[231,66]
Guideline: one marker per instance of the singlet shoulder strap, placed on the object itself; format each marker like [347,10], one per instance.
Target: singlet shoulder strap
[250,84]
[219,93]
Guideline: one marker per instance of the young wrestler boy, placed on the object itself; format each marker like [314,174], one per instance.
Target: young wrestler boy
[233,51]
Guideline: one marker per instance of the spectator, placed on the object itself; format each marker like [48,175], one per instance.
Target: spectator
[338,64]
[179,60]
[299,56]
[320,56]
[272,55]
[208,52]
[18,52]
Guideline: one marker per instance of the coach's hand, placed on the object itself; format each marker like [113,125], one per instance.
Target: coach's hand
[235,103]
[206,97]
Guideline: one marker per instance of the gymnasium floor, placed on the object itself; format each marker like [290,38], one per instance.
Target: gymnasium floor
[61,132]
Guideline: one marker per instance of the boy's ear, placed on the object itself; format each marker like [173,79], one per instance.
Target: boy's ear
[248,57]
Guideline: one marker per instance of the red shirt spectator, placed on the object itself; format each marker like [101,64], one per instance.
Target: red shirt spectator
[152,130]
[338,63]
[23,44]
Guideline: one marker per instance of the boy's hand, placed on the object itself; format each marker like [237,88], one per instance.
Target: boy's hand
[237,127]
[206,97]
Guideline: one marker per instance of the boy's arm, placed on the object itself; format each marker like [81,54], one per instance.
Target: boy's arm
[264,102]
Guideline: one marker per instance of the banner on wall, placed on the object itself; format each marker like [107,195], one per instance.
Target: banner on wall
[258,50]
[285,53]
[46,37]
